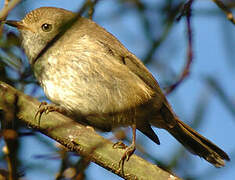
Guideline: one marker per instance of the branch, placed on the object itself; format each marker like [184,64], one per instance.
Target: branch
[187,11]
[226,10]
[78,138]
[8,6]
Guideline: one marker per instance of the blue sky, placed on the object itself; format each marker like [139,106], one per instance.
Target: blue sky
[212,56]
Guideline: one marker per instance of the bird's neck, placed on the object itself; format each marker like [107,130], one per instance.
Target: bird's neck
[31,45]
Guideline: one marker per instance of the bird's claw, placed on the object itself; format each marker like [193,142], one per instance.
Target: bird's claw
[119,145]
[44,107]
[127,154]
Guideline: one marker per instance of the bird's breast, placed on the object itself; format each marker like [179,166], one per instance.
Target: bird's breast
[84,83]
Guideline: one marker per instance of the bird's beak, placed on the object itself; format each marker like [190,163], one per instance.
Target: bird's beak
[17,24]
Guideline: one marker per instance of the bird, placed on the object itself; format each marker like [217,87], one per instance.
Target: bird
[88,72]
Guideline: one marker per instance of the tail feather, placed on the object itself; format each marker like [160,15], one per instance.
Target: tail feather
[192,140]
[205,141]
[198,144]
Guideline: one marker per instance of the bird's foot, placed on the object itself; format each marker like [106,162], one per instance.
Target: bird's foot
[44,107]
[127,154]
[129,150]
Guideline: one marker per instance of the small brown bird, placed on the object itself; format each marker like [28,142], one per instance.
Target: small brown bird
[89,73]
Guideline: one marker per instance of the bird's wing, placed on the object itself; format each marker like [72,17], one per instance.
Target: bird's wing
[115,49]
[110,74]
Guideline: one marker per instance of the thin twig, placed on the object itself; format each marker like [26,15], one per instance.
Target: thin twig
[157,42]
[63,165]
[91,10]
[4,7]
[226,10]
[9,131]
[187,10]
[218,88]
[8,6]
[6,3]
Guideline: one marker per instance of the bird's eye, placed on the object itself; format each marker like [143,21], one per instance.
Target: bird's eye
[46,27]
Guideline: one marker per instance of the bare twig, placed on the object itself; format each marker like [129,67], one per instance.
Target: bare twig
[187,10]
[8,6]
[167,28]
[156,43]
[91,10]
[4,7]
[217,88]
[63,165]
[6,3]
[10,137]
[226,10]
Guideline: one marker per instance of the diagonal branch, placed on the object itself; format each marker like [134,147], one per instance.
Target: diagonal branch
[226,10]
[8,6]
[78,138]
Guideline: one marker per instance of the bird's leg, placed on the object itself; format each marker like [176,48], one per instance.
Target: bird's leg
[130,149]
[44,107]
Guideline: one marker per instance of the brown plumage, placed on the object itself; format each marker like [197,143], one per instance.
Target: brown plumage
[89,73]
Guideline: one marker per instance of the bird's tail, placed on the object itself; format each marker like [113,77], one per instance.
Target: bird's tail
[192,140]
[197,144]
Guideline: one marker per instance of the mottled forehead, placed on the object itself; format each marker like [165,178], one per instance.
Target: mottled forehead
[33,16]
[47,13]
